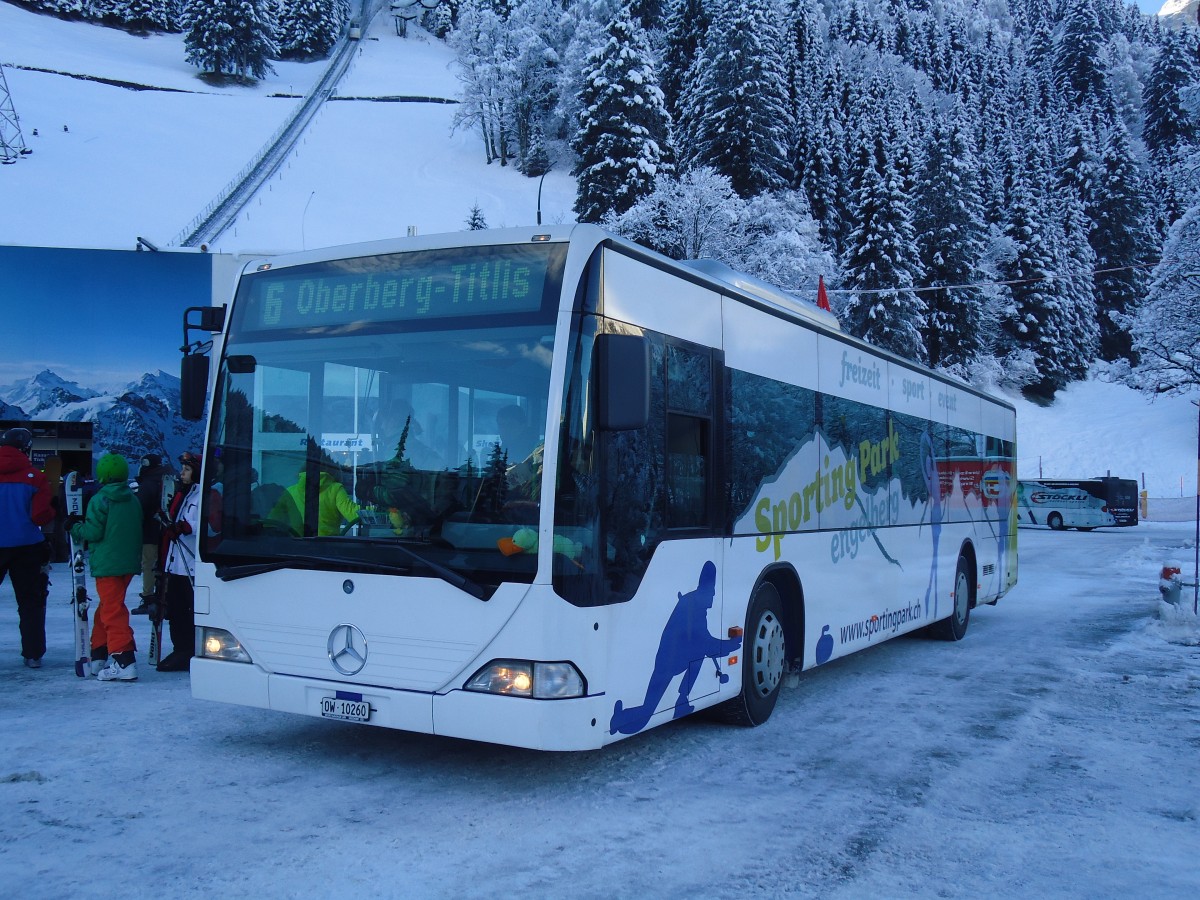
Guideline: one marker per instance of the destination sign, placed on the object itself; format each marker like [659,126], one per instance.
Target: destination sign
[433,284]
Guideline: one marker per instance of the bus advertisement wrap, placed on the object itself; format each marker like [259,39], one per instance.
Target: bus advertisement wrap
[550,489]
[1083,504]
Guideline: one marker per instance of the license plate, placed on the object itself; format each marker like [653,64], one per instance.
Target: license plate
[347,709]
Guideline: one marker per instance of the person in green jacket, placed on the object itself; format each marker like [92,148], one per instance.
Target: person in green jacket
[113,532]
[334,506]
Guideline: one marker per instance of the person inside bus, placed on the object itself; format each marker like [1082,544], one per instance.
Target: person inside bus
[390,427]
[517,438]
[335,508]
[519,442]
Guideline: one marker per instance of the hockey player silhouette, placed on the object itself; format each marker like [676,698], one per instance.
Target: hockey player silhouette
[682,649]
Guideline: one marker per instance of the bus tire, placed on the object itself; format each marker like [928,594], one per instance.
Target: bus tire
[954,627]
[764,660]
[1055,521]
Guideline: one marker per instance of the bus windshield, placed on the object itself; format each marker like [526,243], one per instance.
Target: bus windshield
[407,442]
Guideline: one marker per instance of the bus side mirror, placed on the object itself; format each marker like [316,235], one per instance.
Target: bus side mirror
[212,318]
[622,382]
[193,386]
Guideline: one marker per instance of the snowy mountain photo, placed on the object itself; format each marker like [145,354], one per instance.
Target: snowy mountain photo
[140,418]
[45,395]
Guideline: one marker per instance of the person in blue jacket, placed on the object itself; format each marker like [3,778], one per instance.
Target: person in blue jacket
[25,506]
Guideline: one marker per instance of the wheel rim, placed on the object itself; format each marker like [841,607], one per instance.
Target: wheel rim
[766,654]
[962,596]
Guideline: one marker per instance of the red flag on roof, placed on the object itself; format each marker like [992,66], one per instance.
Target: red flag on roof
[822,297]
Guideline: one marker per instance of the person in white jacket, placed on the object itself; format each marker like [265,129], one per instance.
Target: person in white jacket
[179,535]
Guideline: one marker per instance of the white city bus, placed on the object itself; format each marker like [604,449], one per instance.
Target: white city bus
[547,488]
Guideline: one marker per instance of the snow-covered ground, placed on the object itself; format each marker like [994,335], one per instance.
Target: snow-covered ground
[1049,754]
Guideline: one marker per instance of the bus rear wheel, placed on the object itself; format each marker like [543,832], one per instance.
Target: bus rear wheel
[954,628]
[764,660]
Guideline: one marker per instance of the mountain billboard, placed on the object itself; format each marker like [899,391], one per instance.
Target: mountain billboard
[93,335]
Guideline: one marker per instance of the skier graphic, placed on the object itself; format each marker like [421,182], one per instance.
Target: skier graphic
[682,649]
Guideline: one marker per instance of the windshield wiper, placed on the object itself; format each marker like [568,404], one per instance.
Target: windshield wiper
[233,573]
[474,588]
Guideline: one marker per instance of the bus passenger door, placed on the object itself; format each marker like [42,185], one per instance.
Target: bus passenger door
[663,515]
[695,513]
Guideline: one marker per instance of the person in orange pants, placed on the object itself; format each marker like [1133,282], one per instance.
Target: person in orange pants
[113,531]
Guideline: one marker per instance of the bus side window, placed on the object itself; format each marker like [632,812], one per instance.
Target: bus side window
[687,471]
[689,436]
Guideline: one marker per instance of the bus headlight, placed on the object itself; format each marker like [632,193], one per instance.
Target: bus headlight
[525,678]
[217,643]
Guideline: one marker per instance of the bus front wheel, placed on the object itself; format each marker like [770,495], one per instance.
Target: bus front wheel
[954,628]
[764,660]
[1055,521]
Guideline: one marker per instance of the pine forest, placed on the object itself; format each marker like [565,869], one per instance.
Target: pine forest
[1006,190]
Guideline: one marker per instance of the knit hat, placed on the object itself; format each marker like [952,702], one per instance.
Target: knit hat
[112,467]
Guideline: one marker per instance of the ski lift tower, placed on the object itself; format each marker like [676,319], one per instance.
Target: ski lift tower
[12,144]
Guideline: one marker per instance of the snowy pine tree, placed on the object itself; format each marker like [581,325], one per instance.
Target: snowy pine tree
[1035,321]
[533,81]
[736,116]
[1079,339]
[1079,60]
[231,37]
[1169,124]
[308,29]
[623,124]
[476,221]
[1123,240]
[148,15]
[685,28]
[951,241]
[882,260]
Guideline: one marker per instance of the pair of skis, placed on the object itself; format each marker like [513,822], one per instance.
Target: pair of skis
[159,609]
[79,594]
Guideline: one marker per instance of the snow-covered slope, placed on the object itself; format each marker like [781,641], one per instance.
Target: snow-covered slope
[145,162]
[1178,13]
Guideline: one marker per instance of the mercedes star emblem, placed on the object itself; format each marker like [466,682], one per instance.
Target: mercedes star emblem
[347,647]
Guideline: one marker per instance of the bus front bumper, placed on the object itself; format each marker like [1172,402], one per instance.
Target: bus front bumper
[577,724]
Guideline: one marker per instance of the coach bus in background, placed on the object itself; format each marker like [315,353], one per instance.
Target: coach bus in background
[1084,504]
[547,488]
